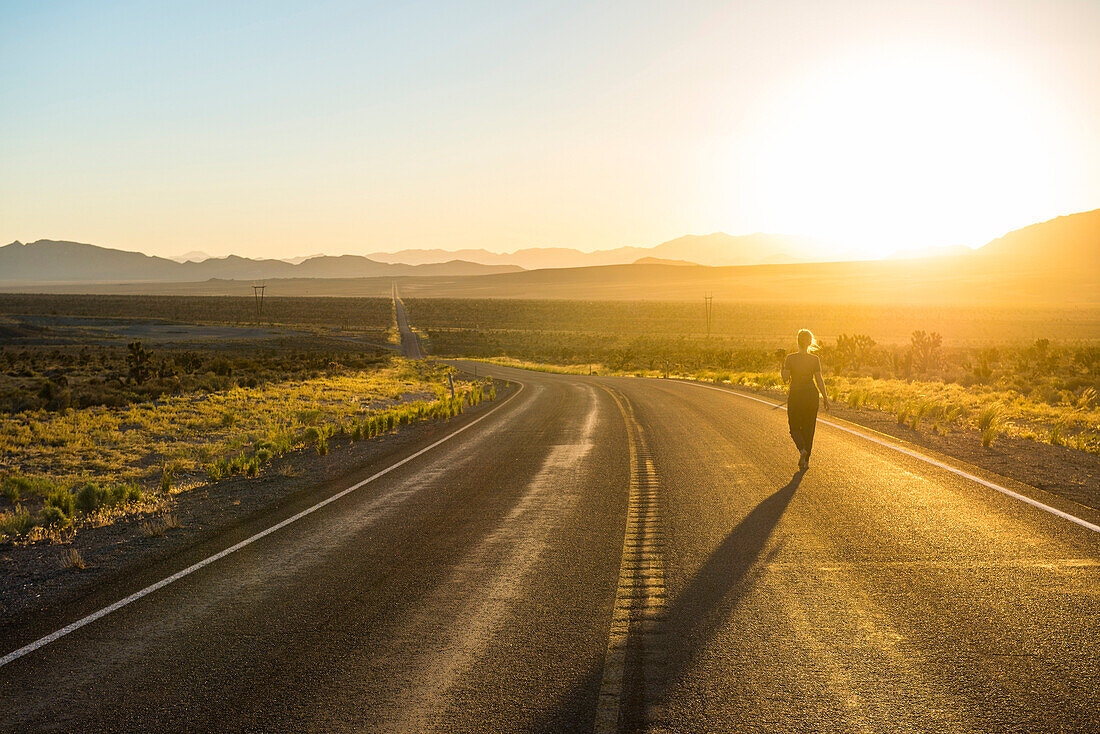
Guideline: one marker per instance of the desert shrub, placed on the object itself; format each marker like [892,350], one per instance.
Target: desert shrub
[219,469]
[90,497]
[122,494]
[62,500]
[11,490]
[153,527]
[1056,438]
[1087,399]
[923,409]
[16,522]
[72,559]
[17,486]
[237,464]
[989,417]
[280,443]
[989,435]
[53,517]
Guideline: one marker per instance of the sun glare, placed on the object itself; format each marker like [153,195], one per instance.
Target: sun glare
[903,152]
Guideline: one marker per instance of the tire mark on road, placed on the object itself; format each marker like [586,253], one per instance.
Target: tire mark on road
[454,627]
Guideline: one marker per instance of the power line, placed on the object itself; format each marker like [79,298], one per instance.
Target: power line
[258,294]
[708,298]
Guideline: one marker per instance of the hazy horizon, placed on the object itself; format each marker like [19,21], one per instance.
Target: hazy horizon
[339,128]
[501,252]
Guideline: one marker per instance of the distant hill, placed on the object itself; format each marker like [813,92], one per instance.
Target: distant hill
[660,261]
[1066,244]
[718,248]
[49,261]
[193,256]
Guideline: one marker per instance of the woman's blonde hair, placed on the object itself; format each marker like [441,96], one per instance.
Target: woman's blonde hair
[806,339]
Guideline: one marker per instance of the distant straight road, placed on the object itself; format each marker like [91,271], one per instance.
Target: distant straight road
[410,342]
[599,555]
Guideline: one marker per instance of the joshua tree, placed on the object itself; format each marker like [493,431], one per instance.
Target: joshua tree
[924,347]
[140,360]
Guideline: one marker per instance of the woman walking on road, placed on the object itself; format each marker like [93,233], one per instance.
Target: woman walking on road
[803,369]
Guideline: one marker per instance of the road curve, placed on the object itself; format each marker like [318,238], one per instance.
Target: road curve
[410,342]
[606,554]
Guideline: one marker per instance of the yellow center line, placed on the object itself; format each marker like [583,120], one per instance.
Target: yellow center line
[634,666]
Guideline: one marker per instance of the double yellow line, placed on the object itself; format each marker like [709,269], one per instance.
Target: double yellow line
[634,667]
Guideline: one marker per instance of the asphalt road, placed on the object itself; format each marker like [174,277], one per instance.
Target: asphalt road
[605,554]
[410,342]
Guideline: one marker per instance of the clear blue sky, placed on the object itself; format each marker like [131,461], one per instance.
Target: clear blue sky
[284,129]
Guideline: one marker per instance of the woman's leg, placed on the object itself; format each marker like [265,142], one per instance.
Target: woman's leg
[795,422]
[810,424]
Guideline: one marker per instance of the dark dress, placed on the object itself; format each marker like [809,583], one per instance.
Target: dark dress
[802,400]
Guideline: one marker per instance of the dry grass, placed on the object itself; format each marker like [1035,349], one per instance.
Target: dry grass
[189,432]
[918,404]
[72,559]
[143,454]
[560,369]
[158,525]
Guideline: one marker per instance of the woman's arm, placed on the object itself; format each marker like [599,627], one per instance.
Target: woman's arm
[785,371]
[821,383]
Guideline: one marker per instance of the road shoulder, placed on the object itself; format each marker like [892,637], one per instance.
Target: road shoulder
[40,591]
[1054,476]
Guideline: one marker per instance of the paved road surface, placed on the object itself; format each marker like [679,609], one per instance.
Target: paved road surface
[410,342]
[605,555]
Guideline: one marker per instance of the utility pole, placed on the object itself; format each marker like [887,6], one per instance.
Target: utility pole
[708,299]
[258,294]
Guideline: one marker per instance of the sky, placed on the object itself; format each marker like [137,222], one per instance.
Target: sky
[281,129]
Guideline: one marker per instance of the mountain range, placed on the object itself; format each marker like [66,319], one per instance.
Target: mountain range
[55,261]
[50,261]
[1057,261]
[715,249]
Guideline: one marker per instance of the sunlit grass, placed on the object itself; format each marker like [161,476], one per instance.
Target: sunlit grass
[94,462]
[993,412]
[916,404]
[561,369]
[72,559]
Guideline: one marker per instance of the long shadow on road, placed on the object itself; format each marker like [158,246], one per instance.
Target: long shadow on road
[712,594]
[726,578]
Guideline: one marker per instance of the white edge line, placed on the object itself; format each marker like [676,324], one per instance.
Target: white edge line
[16,654]
[927,459]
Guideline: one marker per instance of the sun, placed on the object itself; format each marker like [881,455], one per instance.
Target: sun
[903,150]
